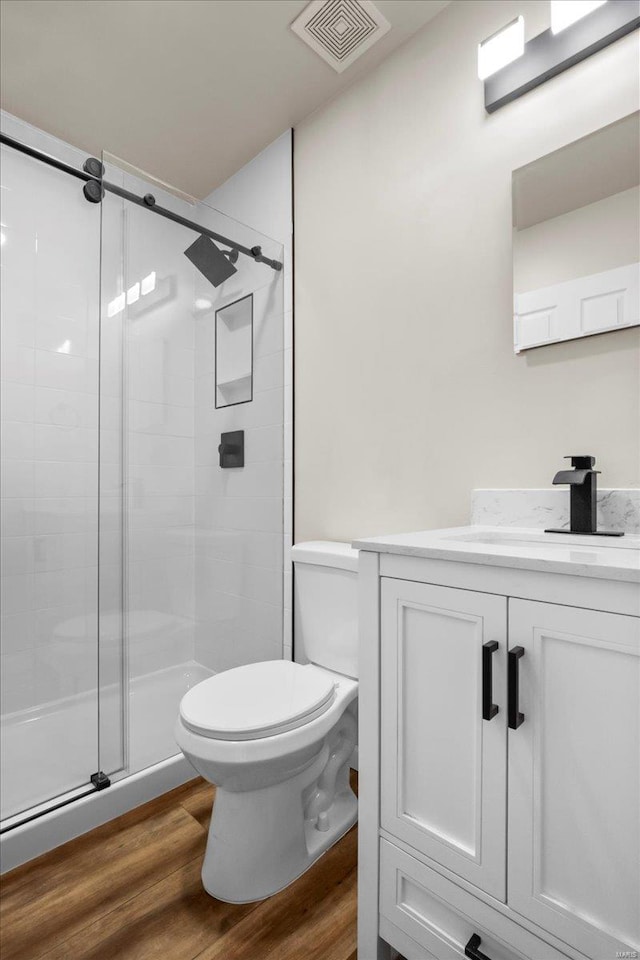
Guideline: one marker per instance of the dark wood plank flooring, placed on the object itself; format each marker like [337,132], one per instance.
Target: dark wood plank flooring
[131,890]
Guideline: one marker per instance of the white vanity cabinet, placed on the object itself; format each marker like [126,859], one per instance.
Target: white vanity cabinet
[434,640]
[574,776]
[499,759]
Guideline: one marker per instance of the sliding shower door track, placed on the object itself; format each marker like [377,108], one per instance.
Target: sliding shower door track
[42,809]
[148,201]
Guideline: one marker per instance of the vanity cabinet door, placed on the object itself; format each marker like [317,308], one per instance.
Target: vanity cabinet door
[574,777]
[443,765]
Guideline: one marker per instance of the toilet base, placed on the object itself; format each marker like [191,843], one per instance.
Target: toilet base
[344,814]
[260,842]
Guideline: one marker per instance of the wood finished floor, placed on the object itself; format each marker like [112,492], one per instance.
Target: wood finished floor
[131,890]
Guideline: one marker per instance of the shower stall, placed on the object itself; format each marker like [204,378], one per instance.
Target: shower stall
[138,326]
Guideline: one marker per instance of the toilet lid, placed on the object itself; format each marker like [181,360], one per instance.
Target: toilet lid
[257,700]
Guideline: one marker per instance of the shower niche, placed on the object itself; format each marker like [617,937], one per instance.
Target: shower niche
[234,353]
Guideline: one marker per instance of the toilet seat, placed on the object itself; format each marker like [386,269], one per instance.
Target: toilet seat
[257,700]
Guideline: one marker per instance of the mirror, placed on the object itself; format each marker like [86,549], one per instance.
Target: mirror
[234,353]
[576,238]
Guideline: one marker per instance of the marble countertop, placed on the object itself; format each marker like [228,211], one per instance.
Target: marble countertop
[609,558]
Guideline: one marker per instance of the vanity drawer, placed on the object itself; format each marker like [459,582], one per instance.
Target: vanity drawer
[442,918]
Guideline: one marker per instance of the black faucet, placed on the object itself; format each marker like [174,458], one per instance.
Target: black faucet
[582,485]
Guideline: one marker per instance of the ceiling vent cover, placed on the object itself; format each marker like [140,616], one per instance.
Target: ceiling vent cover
[340,31]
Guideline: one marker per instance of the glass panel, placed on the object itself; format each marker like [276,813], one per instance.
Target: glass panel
[49,327]
[133,566]
[201,547]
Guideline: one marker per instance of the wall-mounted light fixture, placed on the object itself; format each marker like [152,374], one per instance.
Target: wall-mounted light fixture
[501,48]
[578,29]
[566,12]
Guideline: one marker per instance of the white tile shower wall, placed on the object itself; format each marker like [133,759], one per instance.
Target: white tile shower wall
[239,512]
[243,571]
[50,267]
[160,455]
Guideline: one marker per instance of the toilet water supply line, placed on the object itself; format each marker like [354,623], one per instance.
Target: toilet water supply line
[323,796]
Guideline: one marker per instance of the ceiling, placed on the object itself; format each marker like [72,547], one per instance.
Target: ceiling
[187,90]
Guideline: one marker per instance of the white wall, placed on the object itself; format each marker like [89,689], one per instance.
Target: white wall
[408,394]
[242,534]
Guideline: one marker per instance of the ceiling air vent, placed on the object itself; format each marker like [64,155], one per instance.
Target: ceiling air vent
[340,30]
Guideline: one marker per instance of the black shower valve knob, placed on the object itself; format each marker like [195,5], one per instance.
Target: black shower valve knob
[231,449]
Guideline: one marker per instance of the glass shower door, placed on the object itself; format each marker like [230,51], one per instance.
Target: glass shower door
[50,375]
[134,563]
[201,547]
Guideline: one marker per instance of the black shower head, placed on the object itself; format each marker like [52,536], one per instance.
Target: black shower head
[210,260]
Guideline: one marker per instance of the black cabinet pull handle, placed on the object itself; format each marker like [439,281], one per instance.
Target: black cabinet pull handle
[471,949]
[489,709]
[515,717]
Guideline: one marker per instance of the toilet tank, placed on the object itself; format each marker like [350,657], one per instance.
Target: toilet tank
[325,603]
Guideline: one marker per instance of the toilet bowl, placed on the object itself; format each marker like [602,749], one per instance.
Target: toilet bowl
[277,738]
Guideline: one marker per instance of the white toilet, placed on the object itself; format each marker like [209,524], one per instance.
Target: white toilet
[276,738]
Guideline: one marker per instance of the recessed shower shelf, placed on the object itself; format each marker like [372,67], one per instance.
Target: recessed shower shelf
[234,381]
